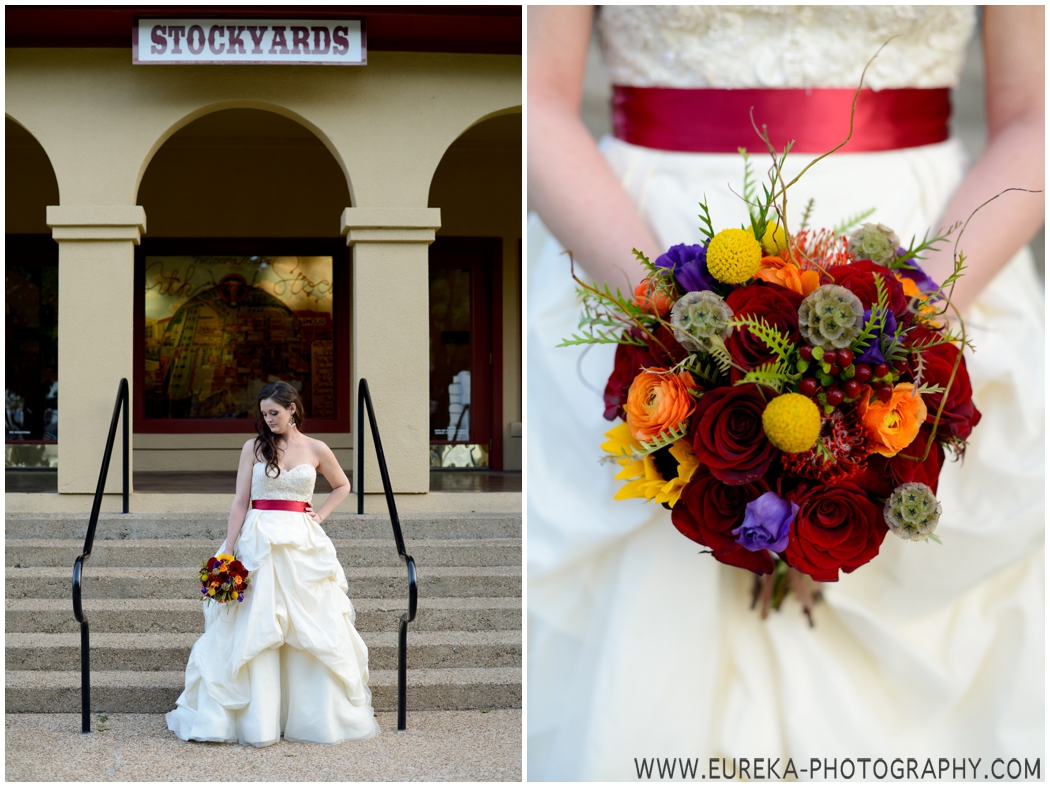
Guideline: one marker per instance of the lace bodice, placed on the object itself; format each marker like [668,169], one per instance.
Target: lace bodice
[784,46]
[294,484]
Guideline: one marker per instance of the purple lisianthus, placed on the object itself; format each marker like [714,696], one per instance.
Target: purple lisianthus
[767,521]
[916,274]
[689,266]
[873,352]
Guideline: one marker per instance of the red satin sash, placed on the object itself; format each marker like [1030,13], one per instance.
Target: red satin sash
[280,505]
[709,120]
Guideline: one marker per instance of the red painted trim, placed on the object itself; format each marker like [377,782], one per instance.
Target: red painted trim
[334,247]
[454,29]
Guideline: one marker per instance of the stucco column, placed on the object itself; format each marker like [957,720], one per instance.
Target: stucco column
[96,257]
[391,324]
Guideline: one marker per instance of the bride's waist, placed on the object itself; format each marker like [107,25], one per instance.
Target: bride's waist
[709,120]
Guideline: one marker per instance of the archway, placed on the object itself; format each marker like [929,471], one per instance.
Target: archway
[243,279]
[31,278]
[475,299]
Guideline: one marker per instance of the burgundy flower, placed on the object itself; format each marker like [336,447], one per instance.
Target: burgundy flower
[727,433]
[777,305]
[709,510]
[960,415]
[859,278]
[837,529]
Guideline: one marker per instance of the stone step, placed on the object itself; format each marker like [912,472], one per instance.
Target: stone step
[183,616]
[169,652]
[125,691]
[211,526]
[168,583]
[147,553]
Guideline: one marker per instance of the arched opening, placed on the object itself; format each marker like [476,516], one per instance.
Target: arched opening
[31,310]
[243,280]
[475,299]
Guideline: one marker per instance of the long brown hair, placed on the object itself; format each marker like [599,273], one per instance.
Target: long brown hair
[266,443]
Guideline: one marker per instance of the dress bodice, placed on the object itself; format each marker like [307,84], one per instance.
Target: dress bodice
[704,46]
[296,483]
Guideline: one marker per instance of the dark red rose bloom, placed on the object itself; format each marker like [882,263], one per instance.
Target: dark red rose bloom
[874,478]
[959,416]
[664,347]
[708,510]
[902,470]
[837,528]
[630,359]
[859,278]
[727,433]
[777,305]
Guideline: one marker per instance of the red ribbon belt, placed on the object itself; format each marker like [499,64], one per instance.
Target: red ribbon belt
[711,120]
[280,505]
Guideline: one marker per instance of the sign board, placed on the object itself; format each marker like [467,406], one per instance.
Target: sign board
[192,41]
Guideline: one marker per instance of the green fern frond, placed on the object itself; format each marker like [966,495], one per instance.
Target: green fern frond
[807,213]
[705,218]
[600,337]
[772,375]
[768,334]
[852,221]
[720,355]
[662,440]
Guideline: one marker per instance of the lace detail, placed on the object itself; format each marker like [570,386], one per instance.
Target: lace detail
[784,46]
[294,484]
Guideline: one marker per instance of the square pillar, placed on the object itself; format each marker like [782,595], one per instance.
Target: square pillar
[391,332]
[96,255]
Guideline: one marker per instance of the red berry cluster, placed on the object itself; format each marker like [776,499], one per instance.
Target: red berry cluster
[839,379]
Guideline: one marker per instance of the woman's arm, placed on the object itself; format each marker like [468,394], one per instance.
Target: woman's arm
[571,187]
[242,497]
[1014,100]
[330,469]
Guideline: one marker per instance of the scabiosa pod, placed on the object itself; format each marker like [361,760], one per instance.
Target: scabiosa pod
[698,317]
[875,242]
[912,512]
[830,317]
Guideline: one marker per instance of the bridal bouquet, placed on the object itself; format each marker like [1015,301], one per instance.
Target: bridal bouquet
[223,578]
[788,395]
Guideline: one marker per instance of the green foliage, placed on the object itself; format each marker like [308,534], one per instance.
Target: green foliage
[720,355]
[927,243]
[774,374]
[852,221]
[769,335]
[662,440]
[599,324]
[705,219]
[806,214]
[822,449]
[706,374]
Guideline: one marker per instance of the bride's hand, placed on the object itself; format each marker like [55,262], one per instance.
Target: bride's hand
[312,514]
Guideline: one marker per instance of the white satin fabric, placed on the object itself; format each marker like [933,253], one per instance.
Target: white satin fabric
[639,646]
[286,660]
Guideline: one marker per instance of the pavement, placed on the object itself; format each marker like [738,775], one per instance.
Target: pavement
[437,746]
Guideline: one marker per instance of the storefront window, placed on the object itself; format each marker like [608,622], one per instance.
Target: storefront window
[31,344]
[219,328]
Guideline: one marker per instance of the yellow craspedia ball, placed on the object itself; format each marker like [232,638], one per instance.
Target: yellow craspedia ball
[774,240]
[792,423]
[733,256]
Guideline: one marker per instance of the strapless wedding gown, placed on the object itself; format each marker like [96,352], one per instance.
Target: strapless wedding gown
[286,660]
[639,646]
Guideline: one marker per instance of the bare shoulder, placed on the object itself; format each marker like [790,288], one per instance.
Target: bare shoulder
[319,448]
[248,450]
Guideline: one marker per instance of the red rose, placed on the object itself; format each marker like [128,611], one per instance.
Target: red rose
[859,278]
[664,347]
[902,470]
[727,433]
[630,360]
[708,510]
[959,416]
[837,527]
[874,478]
[777,305]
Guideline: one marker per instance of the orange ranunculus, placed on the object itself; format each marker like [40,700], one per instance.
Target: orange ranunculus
[658,402]
[891,427]
[652,299]
[776,270]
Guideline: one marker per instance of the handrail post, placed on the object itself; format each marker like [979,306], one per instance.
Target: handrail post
[122,405]
[363,399]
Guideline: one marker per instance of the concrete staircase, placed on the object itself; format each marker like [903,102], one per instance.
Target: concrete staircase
[464,648]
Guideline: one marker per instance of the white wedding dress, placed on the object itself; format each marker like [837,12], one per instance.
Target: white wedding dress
[287,659]
[641,647]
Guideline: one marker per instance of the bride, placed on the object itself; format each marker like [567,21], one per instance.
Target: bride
[287,660]
[641,648]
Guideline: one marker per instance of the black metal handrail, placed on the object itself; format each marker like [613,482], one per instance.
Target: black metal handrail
[78,566]
[365,399]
